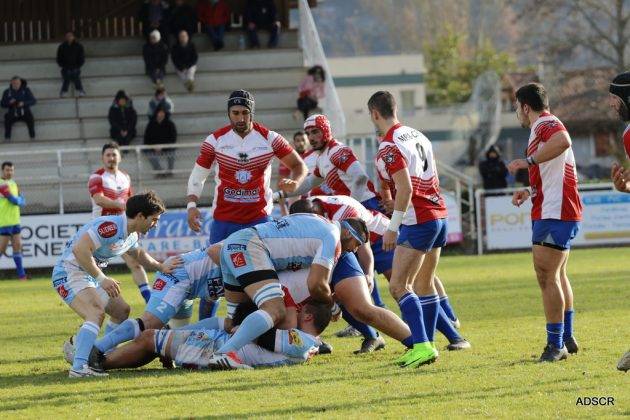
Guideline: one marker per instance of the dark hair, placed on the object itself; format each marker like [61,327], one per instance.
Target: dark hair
[317,69]
[360,226]
[321,315]
[7,163]
[110,145]
[147,203]
[302,205]
[383,102]
[534,95]
[298,133]
[161,89]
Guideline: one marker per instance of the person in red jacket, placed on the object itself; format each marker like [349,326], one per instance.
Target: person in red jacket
[215,17]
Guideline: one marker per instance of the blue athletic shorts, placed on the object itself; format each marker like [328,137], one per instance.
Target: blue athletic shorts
[168,294]
[10,230]
[372,204]
[347,266]
[221,230]
[554,233]
[383,260]
[245,260]
[424,236]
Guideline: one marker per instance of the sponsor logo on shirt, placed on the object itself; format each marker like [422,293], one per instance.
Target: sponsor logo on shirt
[59,281]
[107,229]
[238,259]
[294,266]
[159,285]
[236,247]
[295,339]
[243,176]
[243,157]
[240,195]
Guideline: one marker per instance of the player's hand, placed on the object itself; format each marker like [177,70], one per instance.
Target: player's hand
[517,164]
[519,197]
[620,178]
[111,286]
[194,219]
[389,240]
[4,190]
[287,185]
[228,324]
[170,264]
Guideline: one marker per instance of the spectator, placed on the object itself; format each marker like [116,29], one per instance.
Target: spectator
[18,99]
[214,15]
[184,56]
[261,14]
[160,99]
[70,57]
[311,90]
[154,15]
[160,130]
[493,170]
[155,55]
[122,119]
[183,18]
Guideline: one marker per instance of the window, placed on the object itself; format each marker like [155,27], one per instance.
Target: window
[408,102]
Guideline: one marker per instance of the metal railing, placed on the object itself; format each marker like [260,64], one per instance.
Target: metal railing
[313,54]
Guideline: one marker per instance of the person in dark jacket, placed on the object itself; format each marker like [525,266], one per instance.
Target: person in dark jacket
[155,15]
[18,99]
[160,99]
[183,18]
[71,57]
[184,56]
[261,14]
[155,55]
[493,170]
[122,119]
[160,130]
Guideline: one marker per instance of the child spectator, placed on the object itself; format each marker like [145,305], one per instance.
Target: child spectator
[160,130]
[160,99]
[311,90]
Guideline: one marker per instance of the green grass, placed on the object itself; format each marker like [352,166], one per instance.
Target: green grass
[497,300]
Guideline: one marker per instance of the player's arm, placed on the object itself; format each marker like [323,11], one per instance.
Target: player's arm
[366,261]
[16,200]
[556,145]
[402,181]
[197,179]
[294,162]
[359,179]
[308,184]
[150,263]
[107,203]
[83,251]
[620,178]
[317,282]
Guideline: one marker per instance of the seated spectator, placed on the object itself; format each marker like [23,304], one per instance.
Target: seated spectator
[122,119]
[70,57]
[154,15]
[214,15]
[184,56]
[311,90]
[155,55]
[493,170]
[18,99]
[261,14]
[160,99]
[183,18]
[160,130]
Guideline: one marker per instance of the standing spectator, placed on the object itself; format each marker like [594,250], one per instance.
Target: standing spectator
[184,56]
[18,99]
[122,119]
[261,14]
[70,57]
[183,18]
[160,130]
[154,15]
[10,202]
[311,90]
[493,170]
[214,15]
[162,100]
[155,54]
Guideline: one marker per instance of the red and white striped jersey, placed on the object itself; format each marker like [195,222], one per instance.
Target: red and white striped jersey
[340,207]
[554,183]
[404,147]
[332,165]
[243,171]
[309,159]
[626,140]
[115,186]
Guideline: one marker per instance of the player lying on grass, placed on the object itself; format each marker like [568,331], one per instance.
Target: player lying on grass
[193,346]
[78,279]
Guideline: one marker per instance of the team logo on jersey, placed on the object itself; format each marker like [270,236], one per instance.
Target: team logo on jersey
[243,157]
[243,176]
[295,339]
[107,229]
[389,158]
[159,285]
[238,259]
[294,266]
[344,157]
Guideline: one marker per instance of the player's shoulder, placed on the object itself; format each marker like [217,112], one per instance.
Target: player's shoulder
[265,132]
[126,174]
[309,153]
[98,173]
[108,226]
[217,134]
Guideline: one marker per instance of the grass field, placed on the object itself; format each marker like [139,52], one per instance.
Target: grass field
[496,298]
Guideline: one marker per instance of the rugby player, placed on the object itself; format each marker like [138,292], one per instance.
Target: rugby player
[11,200]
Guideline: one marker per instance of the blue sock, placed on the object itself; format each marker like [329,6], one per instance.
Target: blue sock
[214,323]
[208,309]
[252,327]
[364,329]
[376,295]
[408,342]
[17,258]
[568,324]
[84,343]
[127,330]
[448,309]
[110,327]
[145,291]
[445,326]
[412,314]
[430,305]
[554,334]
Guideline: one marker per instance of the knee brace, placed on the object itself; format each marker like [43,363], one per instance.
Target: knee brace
[268,292]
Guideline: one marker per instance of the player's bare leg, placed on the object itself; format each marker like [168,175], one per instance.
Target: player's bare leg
[135,353]
[569,340]
[4,243]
